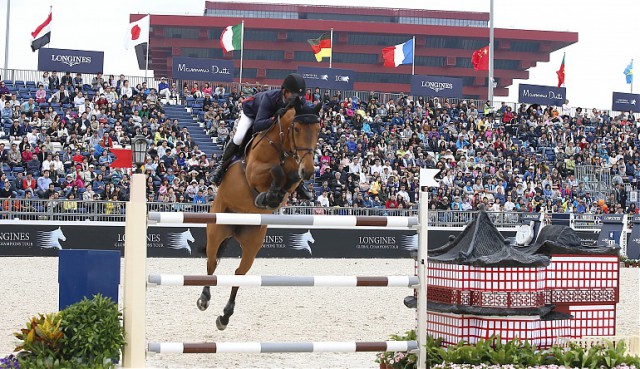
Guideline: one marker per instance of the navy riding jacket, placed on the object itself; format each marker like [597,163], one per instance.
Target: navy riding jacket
[261,107]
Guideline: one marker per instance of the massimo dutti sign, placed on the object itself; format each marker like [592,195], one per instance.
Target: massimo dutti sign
[436,86]
[68,60]
[198,69]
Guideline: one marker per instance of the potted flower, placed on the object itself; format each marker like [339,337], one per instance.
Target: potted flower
[399,359]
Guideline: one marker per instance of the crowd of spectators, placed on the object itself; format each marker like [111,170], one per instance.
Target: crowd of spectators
[60,131]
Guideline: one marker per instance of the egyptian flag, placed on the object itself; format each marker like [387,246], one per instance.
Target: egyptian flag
[42,35]
[138,37]
[321,46]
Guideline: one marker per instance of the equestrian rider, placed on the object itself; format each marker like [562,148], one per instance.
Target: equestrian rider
[261,111]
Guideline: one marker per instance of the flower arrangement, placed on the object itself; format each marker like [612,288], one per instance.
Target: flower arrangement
[9,362]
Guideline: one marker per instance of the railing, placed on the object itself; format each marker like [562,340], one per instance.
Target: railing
[114,211]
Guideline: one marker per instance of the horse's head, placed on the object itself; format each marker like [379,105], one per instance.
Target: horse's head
[309,237]
[189,236]
[303,134]
[57,234]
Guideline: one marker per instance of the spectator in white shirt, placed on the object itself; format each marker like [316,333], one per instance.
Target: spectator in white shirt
[323,199]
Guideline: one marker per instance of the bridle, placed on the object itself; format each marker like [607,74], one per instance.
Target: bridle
[294,151]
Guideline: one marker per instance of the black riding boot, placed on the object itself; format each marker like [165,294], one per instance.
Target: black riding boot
[227,155]
[304,193]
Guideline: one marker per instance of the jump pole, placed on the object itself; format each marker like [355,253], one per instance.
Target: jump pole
[135,275]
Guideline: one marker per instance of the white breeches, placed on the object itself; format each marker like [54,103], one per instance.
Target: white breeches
[243,126]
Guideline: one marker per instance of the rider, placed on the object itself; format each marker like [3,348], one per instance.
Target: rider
[260,111]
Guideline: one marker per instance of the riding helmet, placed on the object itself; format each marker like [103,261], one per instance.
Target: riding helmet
[295,84]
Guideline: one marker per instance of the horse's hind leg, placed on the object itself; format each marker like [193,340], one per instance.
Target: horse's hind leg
[251,239]
[217,236]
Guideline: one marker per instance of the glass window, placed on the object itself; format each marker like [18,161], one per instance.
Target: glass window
[214,33]
[248,73]
[277,55]
[454,43]
[528,46]
[376,39]
[299,36]
[260,35]
[304,56]
[195,52]
[430,61]
[351,17]
[250,14]
[181,32]
[278,73]
[383,77]
[356,58]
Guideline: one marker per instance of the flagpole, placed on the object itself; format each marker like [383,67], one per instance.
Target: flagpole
[6,40]
[631,75]
[490,82]
[413,53]
[146,65]
[331,54]
[50,12]
[241,50]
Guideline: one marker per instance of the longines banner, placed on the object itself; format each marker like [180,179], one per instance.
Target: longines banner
[436,86]
[625,102]
[67,60]
[198,69]
[331,78]
[544,95]
[47,240]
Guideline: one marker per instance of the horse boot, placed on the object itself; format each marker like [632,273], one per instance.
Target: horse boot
[227,156]
[304,193]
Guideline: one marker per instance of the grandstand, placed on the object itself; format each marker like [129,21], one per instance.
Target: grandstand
[511,157]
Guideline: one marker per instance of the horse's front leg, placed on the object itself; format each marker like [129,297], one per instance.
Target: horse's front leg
[274,196]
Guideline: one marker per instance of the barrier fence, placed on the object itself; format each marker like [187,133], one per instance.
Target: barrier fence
[135,281]
[114,211]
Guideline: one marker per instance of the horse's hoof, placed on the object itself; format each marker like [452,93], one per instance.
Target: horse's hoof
[219,324]
[202,304]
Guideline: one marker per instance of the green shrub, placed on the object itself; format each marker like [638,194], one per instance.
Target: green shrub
[92,331]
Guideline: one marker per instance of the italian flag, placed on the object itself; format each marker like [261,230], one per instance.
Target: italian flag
[321,46]
[231,38]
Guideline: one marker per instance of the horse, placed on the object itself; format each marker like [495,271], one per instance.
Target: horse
[51,239]
[275,162]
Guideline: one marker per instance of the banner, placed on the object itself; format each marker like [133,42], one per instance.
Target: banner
[611,231]
[625,102]
[197,69]
[436,86]
[67,60]
[331,78]
[633,241]
[543,95]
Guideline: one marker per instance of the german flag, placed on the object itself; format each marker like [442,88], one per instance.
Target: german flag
[321,46]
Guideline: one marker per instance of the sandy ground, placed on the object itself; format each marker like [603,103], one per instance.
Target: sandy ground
[29,286]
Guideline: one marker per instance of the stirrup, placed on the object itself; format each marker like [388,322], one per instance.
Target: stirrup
[304,192]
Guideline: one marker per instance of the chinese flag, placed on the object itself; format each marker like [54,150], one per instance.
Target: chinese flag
[480,59]
[560,74]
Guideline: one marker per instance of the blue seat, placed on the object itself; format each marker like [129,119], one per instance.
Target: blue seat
[31,84]
[55,105]
[18,169]
[19,84]
[200,100]
[86,87]
[190,101]
[8,82]
[200,116]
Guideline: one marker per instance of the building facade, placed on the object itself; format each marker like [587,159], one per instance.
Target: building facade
[275,43]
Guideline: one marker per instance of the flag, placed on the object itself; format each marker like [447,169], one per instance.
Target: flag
[231,38]
[42,35]
[123,158]
[399,54]
[628,71]
[480,59]
[137,37]
[560,73]
[321,46]
[138,32]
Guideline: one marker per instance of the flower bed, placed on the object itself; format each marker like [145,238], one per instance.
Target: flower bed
[515,354]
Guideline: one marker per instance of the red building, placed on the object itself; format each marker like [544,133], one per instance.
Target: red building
[275,43]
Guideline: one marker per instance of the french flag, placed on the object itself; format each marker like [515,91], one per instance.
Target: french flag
[399,54]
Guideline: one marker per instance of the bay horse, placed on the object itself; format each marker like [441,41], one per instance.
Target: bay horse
[276,161]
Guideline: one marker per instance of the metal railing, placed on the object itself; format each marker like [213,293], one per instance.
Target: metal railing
[114,211]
